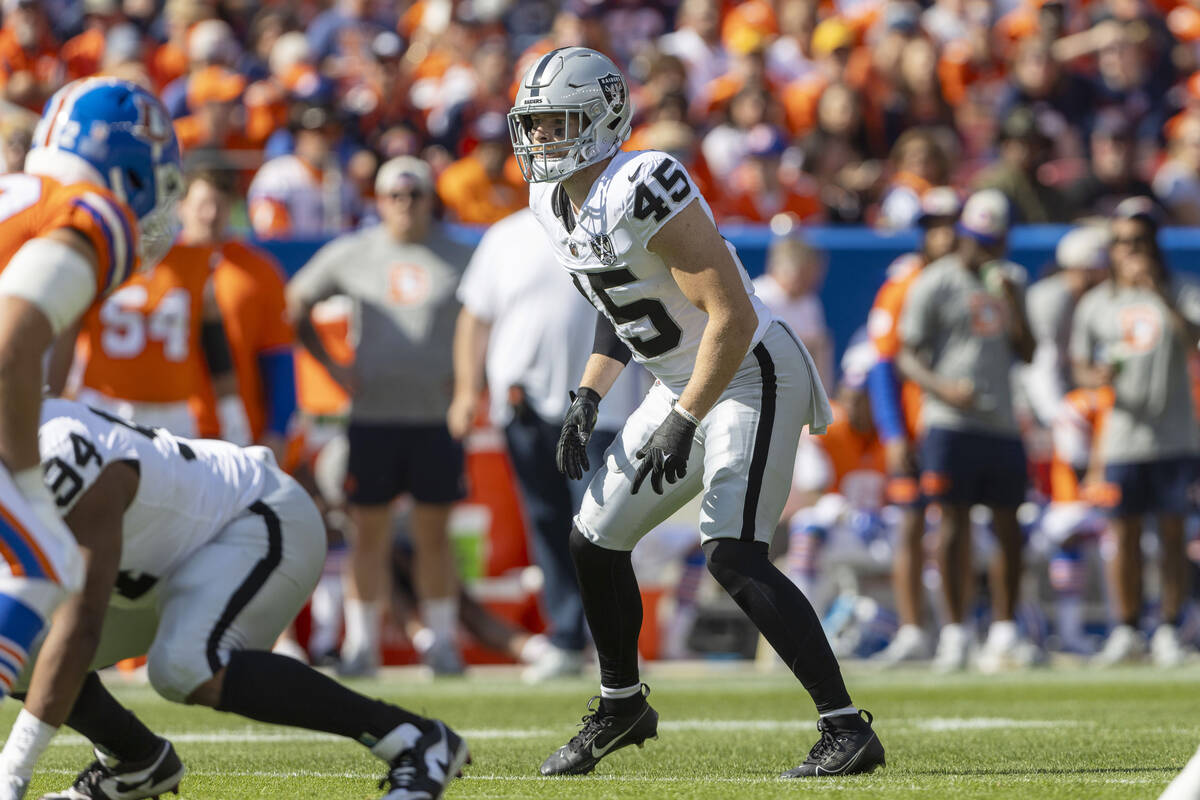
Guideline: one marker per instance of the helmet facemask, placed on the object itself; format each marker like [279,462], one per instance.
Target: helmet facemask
[159,228]
[554,160]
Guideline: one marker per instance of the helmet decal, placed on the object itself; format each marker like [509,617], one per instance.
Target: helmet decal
[613,87]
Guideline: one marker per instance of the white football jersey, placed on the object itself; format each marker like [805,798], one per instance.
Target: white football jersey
[188,491]
[605,247]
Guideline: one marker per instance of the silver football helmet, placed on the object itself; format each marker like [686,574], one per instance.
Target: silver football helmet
[592,97]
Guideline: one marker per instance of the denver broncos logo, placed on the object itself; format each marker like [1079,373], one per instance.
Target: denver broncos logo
[988,317]
[1140,327]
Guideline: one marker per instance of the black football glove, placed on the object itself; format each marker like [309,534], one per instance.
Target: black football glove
[666,453]
[571,453]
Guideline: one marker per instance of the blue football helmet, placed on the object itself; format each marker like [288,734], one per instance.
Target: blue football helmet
[114,133]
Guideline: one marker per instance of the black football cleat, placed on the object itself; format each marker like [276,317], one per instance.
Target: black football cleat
[600,735]
[423,771]
[106,778]
[848,746]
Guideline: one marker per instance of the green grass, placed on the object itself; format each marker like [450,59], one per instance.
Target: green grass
[728,733]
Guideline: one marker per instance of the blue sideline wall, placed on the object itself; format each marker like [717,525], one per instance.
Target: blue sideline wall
[858,260]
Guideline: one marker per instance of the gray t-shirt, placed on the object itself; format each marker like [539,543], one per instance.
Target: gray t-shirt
[405,312]
[951,319]
[1049,305]
[1153,416]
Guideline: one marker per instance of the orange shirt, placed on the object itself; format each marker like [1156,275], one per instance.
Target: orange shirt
[83,53]
[143,343]
[850,450]
[43,62]
[248,284]
[317,393]
[1089,408]
[32,206]
[883,326]
[744,204]
[476,199]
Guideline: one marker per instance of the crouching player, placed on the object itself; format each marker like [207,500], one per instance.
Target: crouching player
[198,554]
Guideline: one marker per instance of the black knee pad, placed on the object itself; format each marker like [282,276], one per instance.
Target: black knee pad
[731,561]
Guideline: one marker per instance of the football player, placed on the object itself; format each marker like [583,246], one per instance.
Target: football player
[734,388]
[198,554]
[103,169]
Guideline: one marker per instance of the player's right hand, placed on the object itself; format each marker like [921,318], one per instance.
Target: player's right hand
[571,453]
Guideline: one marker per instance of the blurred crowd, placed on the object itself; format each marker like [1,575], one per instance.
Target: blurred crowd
[836,111]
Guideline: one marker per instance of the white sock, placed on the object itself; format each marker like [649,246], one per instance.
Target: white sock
[26,743]
[362,627]
[954,632]
[441,617]
[840,711]
[326,608]
[620,694]
[393,744]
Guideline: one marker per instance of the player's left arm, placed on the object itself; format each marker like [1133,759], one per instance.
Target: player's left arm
[67,653]
[231,409]
[702,266]
[1020,335]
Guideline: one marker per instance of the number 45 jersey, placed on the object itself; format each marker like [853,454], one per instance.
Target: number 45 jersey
[188,489]
[606,249]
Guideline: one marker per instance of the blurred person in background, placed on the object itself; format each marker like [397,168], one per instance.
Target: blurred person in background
[525,328]
[917,98]
[1058,96]
[725,145]
[1112,169]
[1134,332]
[402,276]
[84,53]
[789,55]
[791,289]
[919,164]
[1080,264]
[210,43]
[170,59]
[306,192]
[896,409]
[1177,181]
[16,136]
[963,328]
[696,41]
[840,155]
[1023,147]
[248,286]
[833,43]
[30,67]
[758,190]
[485,185]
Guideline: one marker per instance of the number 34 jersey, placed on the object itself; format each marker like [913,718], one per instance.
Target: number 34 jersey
[606,249]
[188,489]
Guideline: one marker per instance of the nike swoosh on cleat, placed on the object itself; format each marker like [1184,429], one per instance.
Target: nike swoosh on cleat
[601,752]
[125,788]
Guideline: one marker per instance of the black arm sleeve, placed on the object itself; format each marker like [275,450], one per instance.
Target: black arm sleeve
[607,343]
[216,348]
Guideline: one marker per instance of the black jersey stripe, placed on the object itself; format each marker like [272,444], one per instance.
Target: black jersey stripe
[762,441]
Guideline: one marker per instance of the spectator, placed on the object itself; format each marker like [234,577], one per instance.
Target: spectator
[402,275]
[16,135]
[1081,262]
[485,185]
[525,326]
[30,67]
[919,164]
[917,99]
[757,189]
[838,154]
[84,53]
[1060,98]
[1134,333]
[170,59]
[832,45]
[896,407]
[791,289]
[1177,182]
[218,119]
[305,193]
[724,146]
[696,41]
[1023,148]
[963,328]
[1111,176]
[210,43]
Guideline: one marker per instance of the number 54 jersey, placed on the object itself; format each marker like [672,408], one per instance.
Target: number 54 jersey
[606,249]
[188,489]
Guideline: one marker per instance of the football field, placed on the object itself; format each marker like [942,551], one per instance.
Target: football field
[724,732]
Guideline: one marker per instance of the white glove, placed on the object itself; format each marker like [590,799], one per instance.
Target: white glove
[64,553]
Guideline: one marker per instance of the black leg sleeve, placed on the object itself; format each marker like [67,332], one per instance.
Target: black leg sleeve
[613,606]
[782,613]
[109,725]
[272,688]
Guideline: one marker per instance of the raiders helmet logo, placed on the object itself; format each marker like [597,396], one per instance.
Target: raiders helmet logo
[603,249]
[614,91]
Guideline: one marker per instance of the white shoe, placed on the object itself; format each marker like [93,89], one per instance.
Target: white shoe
[554,663]
[1124,645]
[1005,650]
[361,663]
[953,649]
[909,644]
[1165,647]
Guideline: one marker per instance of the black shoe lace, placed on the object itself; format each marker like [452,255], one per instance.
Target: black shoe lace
[88,781]
[827,745]
[590,725]
[402,774]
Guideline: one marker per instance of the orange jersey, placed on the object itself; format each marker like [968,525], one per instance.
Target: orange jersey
[33,206]
[143,343]
[248,284]
[883,326]
[318,394]
[850,450]
[1077,429]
